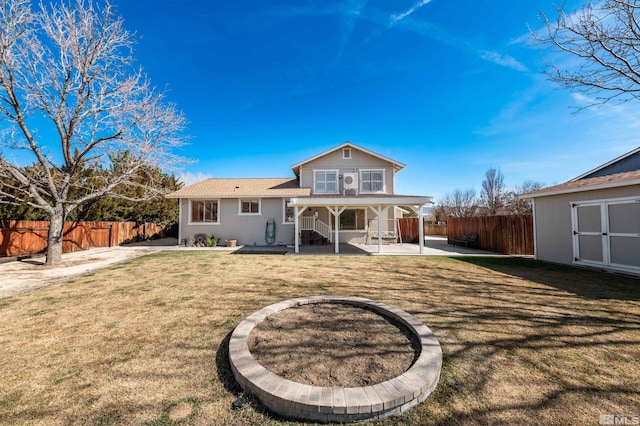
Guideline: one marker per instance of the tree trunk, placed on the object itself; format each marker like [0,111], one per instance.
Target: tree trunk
[54,240]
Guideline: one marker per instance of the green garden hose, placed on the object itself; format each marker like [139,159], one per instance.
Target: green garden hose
[270,234]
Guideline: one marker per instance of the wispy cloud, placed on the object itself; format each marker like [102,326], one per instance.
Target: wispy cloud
[525,39]
[351,11]
[399,17]
[435,32]
[350,14]
[628,113]
[512,116]
[504,60]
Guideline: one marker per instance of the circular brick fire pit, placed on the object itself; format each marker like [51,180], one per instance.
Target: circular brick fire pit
[337,404]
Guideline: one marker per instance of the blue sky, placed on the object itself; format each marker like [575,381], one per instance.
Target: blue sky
[448,88]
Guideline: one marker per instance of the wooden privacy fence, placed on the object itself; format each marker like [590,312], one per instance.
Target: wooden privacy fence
[500,234]
[21,237]
[409,230]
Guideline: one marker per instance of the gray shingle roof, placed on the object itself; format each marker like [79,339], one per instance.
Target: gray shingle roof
[242,187]
[590,184]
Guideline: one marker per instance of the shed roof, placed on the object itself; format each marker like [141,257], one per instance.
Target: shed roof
[607,164]
[242,187]
[589,184]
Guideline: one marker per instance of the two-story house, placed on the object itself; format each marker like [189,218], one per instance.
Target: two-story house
[346,194]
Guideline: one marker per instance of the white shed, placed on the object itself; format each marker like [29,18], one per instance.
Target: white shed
[592,220]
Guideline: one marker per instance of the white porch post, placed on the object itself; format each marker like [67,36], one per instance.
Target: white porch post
[379,229]
[378,211]
[337,226]
[336,212]
[297,211]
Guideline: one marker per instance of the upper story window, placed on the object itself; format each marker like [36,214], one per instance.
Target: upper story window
[204,211]
[325,181]
[372,180]
[249,207]
[346,153]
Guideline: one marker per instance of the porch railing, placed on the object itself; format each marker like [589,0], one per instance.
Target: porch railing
[310,223]
[323,229]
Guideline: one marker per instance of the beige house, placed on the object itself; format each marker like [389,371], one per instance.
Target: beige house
[346,194]
[592,220]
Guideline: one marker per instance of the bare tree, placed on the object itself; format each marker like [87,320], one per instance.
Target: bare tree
[461,203]
[493,191]
[515,205]
[606,38]
[71,99]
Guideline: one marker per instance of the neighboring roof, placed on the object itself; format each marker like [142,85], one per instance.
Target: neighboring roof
[600,170]
[396,164]
[589,184]
[242,187]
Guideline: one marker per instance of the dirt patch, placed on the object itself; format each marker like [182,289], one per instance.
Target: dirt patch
[330,344]
[181,411]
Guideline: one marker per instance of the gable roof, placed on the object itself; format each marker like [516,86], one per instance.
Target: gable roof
[606,165]
[396,164]
[589,184]
[242,187]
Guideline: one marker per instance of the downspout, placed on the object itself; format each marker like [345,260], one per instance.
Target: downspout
[535,234]
[379,212]
[179,220]
[421,227]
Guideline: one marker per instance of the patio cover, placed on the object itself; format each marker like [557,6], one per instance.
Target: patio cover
[336,205]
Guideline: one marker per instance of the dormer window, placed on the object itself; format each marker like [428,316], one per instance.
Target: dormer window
[346,153]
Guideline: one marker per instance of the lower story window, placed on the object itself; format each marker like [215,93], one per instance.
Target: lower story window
[250,206]
[352,220]
[204,211]
[288,212]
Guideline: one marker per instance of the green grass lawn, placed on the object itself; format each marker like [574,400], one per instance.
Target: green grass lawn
[144,342]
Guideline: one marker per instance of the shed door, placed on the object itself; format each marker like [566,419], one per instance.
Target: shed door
[589,234]
[624,234]
[607,233]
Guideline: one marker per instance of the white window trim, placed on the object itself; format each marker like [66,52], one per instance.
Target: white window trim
[259,200]
[344,154]
[336,171]
[384,183]
[190,222]
[284,212]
